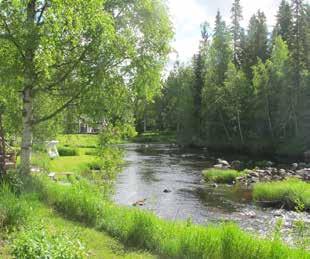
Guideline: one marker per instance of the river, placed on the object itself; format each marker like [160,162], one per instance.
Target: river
[151,169]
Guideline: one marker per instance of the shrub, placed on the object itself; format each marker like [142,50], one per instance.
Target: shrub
[95,165]
[65,151]
[91,152]
[170,239]
[14,211]
[289,193]
[36,242]
[220,175]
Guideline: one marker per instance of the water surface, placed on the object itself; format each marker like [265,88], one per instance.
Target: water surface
[152,168]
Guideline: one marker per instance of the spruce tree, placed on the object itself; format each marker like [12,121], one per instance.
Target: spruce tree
[236,29]
[256,42]
[284,21]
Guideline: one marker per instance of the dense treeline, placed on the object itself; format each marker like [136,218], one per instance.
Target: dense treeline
[244,89]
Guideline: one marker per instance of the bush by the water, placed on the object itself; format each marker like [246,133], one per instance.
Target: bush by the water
[66,151]
[14,211]
[84,202]
[35,242]
[220,175]
[290,193]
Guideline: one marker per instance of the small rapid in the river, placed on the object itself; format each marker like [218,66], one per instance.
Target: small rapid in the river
[168,182]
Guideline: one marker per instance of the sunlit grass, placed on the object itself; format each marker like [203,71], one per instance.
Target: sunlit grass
[289,193]
[83,202]
[221,175]
[78,140]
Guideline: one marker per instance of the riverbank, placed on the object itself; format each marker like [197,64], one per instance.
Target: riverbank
[79,200]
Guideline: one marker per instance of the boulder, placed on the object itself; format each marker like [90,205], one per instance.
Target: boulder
[223,162]
[214,185]
[294,166]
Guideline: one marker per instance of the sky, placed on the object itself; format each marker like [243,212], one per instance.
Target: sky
[188,15]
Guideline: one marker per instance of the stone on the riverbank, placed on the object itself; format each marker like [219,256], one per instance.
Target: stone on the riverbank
[224,163]
[294,166]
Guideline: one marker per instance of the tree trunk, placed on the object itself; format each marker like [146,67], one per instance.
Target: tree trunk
[27,132]
[30,81]
[239,127]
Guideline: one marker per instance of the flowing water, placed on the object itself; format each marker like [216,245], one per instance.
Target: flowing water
[151,169]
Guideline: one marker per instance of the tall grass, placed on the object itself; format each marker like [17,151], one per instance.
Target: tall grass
[289,193]
[220,175]
[14,210]
[83,202]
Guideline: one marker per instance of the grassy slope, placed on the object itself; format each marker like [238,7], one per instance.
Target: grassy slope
[98,244]
[171,239]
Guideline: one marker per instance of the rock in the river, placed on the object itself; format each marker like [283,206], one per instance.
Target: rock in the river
[214,185]
[223,162]
[294,166]
[278,213]
[167,191]
[139,203]
[250,214]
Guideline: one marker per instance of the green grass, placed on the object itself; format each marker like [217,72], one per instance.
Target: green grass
[221,175]
[78,140]
[289,193]
[83,202]
[98,244]
[71,163]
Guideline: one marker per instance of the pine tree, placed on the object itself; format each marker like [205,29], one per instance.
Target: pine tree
[298,39]
[284,21]
[199,74]
[236,16]
[256,42]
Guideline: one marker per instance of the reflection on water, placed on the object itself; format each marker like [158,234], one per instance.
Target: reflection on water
[150,169]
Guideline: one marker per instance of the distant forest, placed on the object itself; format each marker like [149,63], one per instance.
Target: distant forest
[245,89]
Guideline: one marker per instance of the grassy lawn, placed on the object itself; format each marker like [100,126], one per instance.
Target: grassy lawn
[72,164]
[78,140]
[289,193]
[220,175]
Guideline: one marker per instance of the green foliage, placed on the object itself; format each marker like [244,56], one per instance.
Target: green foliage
[155,137]
[288,193]
[145,230]
[65,151]
[14,210]
[221,175]
[35,242]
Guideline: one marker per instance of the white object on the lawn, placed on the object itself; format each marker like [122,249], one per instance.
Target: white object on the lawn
[51,147]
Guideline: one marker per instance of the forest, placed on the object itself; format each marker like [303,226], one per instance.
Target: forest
[247,89]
